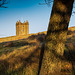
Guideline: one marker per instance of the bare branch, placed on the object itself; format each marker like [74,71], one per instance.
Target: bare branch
[47,2]
[3,2]
[42,3]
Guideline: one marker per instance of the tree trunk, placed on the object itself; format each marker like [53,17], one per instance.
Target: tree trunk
[56,37]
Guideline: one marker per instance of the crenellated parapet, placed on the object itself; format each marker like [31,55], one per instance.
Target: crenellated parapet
[27,23]
[20,23]
[22,28]
[17,23]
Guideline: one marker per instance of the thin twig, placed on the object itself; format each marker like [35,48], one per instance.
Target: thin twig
[3,2]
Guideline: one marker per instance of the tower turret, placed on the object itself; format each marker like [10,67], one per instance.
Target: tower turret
[24,22]
[19,22]
[27,23]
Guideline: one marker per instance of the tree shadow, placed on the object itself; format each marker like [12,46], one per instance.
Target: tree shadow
[29,62]
[39,37]
[70,57]
[3,67]
[17,43]
[70,32]
[23,42]
[41,57]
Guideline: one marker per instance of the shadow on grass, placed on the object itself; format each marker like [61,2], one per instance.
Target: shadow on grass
[3,67]
[17,43]
[29,64]
[24,42]
[68,56]
[39,37]
[7,47]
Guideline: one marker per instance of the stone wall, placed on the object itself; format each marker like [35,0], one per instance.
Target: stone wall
[22,28]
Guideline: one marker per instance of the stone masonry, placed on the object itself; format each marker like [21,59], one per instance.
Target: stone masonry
[22,28]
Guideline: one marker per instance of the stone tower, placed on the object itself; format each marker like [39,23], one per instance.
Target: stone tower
[22,28]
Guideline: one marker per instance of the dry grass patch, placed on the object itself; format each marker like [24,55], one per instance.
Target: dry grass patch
[22,58]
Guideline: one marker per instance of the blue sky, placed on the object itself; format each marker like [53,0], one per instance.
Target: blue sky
[37,15]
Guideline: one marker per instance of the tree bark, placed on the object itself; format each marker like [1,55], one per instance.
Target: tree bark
[56,37]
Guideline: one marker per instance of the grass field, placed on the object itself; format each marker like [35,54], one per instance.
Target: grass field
[20,55]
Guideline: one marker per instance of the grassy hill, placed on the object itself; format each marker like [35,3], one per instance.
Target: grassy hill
[19,55]
[13,38]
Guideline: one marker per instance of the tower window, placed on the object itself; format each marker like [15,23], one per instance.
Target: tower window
[23,30]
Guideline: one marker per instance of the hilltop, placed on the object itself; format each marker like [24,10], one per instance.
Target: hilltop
[19,55]
[13,38]
[71,28]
